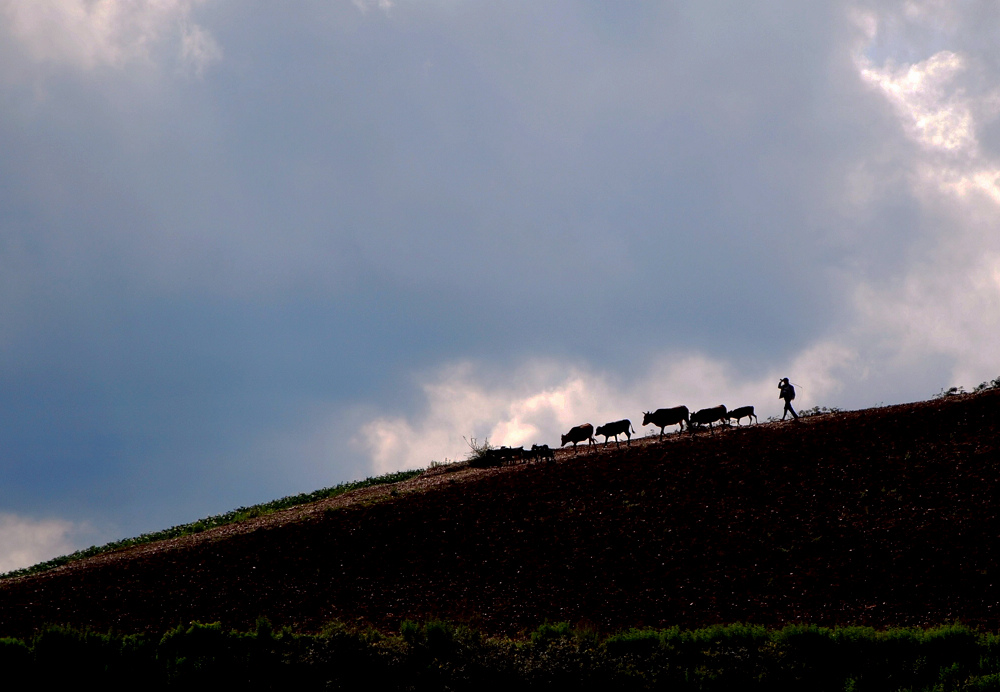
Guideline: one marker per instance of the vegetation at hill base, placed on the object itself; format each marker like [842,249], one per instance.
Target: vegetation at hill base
[438,655]
[231,517]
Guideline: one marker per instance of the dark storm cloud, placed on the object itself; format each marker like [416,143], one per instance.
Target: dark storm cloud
[554,164]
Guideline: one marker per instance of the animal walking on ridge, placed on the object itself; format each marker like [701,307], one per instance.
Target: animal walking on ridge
[787,392]
[619,427]
[499,456]
[542,452]
[742,412]
[579,434]
[662,417]
[715,414]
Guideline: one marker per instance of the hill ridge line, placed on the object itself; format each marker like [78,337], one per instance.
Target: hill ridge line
[421,483]
[882,517]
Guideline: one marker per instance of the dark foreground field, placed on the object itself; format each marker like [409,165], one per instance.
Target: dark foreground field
[883,517]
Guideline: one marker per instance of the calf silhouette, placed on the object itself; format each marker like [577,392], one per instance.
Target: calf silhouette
[742,412]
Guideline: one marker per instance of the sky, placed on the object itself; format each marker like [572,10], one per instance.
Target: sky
[250,249]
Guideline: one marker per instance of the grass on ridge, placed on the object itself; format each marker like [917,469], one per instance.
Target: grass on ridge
[232,517]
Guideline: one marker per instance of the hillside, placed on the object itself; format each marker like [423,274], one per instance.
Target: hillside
[884,516]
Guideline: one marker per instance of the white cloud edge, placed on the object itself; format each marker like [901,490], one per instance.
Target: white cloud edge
[384,6]
[85,35]
[26,541]
[948,300]
[540,399]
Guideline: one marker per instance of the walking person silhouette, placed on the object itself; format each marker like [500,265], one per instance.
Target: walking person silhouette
[787,392]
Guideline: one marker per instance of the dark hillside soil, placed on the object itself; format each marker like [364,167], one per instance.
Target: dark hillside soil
[883,517]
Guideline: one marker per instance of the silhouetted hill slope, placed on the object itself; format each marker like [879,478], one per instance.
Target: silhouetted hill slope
[884,516]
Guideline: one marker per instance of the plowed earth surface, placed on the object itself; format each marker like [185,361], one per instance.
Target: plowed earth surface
[882,517]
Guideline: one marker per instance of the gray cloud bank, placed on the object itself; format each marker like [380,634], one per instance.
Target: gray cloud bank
[248,250]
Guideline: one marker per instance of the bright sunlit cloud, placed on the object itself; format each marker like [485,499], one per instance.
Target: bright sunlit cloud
[86,34]
[937,116]
[946,303]
[537,402]
[25,542]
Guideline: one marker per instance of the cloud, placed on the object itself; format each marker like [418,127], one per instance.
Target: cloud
[944,303]
[87,34]
[25,542]
[541,399]
[198,48]
[935,115]
[365,5]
